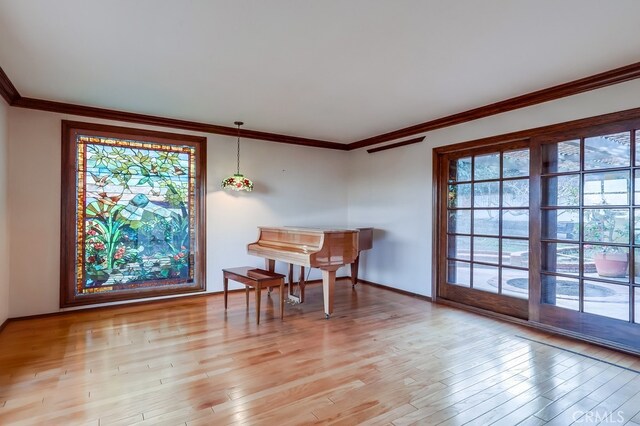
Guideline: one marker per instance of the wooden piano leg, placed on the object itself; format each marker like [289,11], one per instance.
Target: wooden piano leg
[281,296]
[354,271]
[269,265]
[328,285]
[302,284]
[291,279]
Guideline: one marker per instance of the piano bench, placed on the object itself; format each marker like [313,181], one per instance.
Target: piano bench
[256,278]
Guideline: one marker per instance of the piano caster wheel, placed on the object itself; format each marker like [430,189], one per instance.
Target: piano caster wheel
[327,316]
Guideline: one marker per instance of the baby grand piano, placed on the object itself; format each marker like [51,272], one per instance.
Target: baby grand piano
[326,249]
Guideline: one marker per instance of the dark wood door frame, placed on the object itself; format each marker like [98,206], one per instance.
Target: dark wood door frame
[598,329]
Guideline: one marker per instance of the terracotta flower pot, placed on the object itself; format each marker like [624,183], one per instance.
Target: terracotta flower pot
[612,265]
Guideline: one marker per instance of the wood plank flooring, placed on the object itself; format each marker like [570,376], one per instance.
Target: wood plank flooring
[383,358]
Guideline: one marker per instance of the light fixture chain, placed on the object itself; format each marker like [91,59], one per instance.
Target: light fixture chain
[237,182]
[238,148]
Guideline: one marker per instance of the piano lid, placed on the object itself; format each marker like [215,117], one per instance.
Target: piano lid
[365,234]
[329,228]
[319,229]
[315,247]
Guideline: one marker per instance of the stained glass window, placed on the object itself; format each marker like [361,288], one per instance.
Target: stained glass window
[137,215]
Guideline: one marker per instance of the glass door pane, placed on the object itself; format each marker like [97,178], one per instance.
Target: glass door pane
[488,227]
[585,230]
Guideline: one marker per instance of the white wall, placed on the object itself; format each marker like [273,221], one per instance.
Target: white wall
[4,217]
[392,190]
[387,190]
[293,186]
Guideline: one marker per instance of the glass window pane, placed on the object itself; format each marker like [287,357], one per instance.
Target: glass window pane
[459,273]
[561,190]
[515,163]
[459,195]
[515,193]
[459,222]
[608,151]
[486,222]
[135,219]
[609,262]
[459,247]
[460,169]
[636,194]
[515,223]
[486,194]
[561,258]
[561,157]
[515,252]
[636,268]
[561,291]
[637,302]
[608,300]
[606,225]
[561,224]
[606,188]
[515,283]
[486,167]
[486,249]
[485,278]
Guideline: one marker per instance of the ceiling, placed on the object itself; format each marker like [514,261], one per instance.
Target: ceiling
[337,70]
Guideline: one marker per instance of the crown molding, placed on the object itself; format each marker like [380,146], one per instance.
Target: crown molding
[153,120]
[564,130]
[597,81]
[7,90]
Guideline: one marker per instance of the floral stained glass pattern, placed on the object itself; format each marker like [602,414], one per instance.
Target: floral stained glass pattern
[135,214]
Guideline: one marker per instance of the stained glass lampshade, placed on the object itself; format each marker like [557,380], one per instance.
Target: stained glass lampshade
[237,182]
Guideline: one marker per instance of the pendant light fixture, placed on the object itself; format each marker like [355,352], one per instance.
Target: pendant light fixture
[237,182]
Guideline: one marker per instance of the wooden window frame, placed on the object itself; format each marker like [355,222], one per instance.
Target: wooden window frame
[70,129]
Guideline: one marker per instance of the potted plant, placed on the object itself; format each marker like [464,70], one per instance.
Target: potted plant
[611,262]
[604,226]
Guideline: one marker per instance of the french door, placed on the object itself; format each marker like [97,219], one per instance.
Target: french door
[589,219]
[487,229]
[546,229]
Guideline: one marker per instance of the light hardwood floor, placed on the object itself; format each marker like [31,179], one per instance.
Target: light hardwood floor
[383,358]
